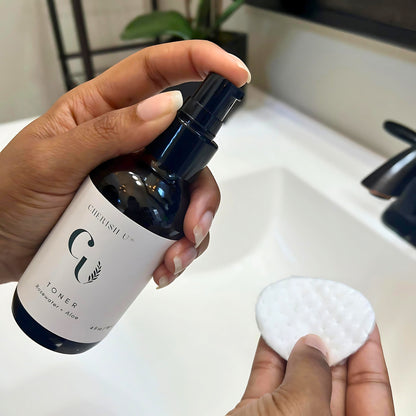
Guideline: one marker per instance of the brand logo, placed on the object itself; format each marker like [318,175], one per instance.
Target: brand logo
[83,277]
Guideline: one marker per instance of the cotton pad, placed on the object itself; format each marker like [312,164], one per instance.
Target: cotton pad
[291,308]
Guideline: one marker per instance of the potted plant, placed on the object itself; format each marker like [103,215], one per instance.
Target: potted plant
[172,25]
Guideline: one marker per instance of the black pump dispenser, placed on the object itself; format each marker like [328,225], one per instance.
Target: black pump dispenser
[187,145]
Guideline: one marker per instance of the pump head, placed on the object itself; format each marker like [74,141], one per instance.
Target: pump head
[187,145]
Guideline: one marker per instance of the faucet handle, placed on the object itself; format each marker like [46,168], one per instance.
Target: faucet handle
[400,131]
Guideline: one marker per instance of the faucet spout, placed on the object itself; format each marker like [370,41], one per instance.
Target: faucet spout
[397,178]
[391,178]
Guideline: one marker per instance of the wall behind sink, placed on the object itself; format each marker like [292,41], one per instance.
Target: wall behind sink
[30,73]
[348,82]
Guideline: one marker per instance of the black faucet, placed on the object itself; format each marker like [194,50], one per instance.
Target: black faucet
[397,178]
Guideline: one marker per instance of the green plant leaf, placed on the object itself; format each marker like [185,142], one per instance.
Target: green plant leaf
[203,15]
[227,13]
[158,24]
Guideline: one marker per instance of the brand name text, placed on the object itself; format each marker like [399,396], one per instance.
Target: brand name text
[107,223]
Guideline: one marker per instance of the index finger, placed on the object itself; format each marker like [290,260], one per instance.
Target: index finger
[267,373]
[368,386]
[155,68]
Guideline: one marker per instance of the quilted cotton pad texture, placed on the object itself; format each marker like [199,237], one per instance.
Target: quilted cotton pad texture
[291,308]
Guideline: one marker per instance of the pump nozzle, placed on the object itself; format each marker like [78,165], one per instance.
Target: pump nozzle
[211,103]
[187,145]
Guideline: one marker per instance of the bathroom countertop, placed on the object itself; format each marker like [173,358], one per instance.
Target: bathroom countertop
[292,203]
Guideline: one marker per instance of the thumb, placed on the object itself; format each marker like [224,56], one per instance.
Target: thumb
[306,388]
[81,149]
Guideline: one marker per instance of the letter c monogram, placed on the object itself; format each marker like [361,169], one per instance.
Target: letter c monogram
[71,240]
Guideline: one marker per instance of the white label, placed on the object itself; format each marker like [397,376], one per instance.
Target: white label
[89,269]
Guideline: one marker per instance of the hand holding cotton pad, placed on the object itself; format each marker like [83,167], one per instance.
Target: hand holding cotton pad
[291,308]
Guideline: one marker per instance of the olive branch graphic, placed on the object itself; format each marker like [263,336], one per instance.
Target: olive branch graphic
[94,275]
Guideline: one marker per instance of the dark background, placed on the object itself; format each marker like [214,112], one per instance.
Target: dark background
[392,21]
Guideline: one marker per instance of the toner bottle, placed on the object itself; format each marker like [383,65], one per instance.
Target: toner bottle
[127,212]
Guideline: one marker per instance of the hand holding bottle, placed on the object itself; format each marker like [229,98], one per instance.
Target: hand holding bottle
[46,162]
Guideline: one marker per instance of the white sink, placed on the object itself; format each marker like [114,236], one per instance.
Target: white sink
[291,204]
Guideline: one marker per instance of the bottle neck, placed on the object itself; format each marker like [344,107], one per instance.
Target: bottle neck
[184,148]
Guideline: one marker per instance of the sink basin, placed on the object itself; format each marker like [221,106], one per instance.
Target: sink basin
[272,225]
[291,205]
[275,224]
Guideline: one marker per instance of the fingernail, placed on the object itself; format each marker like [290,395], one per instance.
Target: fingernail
[316,342]
[201,229]
[242,65]
[163,282]
[183,260]
[159,105]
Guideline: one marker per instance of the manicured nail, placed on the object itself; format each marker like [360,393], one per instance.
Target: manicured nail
[242,65]
[159,105]
[183,260]
[201,229]
[163,282]
[316,342]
